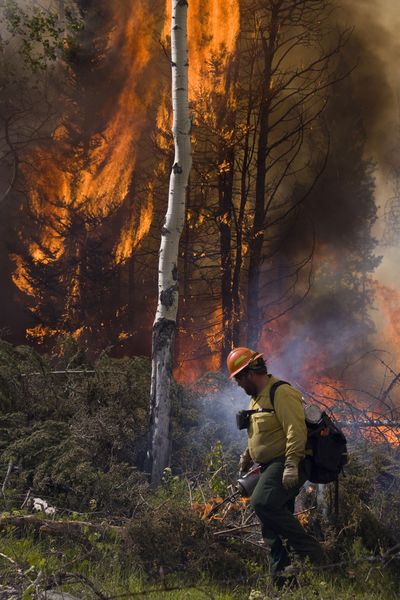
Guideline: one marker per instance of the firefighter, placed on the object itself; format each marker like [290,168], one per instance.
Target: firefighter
[276,440]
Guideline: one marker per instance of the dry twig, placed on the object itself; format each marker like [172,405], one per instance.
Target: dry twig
[3,487]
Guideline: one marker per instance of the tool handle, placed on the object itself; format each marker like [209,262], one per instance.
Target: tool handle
[230,498]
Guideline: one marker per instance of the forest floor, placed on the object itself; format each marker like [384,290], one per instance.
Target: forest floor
[72,558]
[76,440]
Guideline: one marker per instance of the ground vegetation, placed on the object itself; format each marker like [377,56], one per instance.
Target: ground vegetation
[77,513]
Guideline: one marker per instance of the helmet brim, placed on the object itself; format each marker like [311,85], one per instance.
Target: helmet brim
[245,365]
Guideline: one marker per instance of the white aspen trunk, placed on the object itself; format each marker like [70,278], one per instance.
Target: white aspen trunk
[165,320]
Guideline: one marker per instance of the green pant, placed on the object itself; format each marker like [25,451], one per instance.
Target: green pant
[274,507]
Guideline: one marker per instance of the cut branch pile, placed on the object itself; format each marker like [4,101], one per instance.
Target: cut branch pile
[235,519]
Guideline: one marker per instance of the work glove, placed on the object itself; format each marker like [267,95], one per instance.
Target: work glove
[290,477]
[245,462]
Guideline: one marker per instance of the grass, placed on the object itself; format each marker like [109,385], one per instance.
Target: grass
[100,572]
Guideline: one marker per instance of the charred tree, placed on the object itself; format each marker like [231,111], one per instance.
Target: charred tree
[164,326]
[292,75]
[226,179]
[255,149]
[269,40]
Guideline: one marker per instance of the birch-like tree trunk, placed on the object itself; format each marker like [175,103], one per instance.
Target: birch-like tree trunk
[165,320]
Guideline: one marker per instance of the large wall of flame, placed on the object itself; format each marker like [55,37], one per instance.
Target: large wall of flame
[140,93]
[104,183]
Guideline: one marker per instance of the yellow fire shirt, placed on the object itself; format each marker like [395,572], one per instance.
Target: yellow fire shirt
[281,432]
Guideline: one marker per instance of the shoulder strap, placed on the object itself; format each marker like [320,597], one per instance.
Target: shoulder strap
[259,410]
[273,389]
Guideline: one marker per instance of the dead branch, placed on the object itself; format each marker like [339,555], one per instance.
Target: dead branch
[12,561]
[388,556]
[9,469]
[33,585]
[52,595]
[61,578]
[233,529]
[165,590]
[307,510]
[26,499]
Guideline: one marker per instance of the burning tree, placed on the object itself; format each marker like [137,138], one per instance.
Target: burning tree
[261,145]
[64,289]
[94,191]
[89,208]
[296,71]
[30,43]
[165,321]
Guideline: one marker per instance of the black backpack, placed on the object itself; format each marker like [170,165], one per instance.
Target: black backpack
[326,444]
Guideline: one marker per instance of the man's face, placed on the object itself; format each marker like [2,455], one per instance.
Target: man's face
[245,380]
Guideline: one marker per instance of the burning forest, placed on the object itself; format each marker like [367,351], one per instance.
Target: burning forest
[284,243]
[288,245]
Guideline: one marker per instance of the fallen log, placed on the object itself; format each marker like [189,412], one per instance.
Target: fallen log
[76,530]
[52,595]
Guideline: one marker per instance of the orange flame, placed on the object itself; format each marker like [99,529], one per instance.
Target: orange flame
[128,242]
[93,180]
[209,38]
[101,182]
[304,518]
[211,44]
[204,508]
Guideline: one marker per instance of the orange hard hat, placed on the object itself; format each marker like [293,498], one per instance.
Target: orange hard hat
[240,358]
